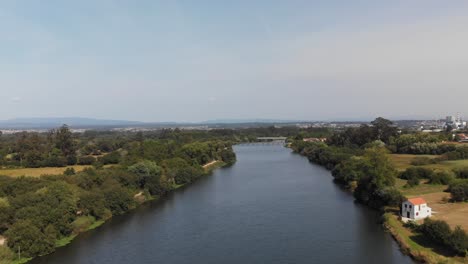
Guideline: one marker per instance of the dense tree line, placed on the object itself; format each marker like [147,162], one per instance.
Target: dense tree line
[60,147]
[35,213]
[359,161]
[380,129]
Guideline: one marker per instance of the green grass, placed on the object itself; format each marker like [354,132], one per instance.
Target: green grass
[96,224]
[65,241]
[423,188]
[177,186]
[21,261]
[403,161]
[449,165]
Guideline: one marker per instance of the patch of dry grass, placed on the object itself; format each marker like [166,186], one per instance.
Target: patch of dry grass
[403,161]
[36,172]
[422,189]
[453,213]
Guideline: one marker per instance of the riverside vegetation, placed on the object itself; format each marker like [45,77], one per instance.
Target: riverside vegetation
[38,214]
[58,184]
[99,174]
[361,160]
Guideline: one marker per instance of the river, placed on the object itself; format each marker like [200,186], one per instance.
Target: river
[272,206]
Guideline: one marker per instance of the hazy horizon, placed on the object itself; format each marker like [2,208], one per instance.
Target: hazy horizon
[193,61]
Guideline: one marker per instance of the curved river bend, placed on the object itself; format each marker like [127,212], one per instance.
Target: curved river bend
[272,206]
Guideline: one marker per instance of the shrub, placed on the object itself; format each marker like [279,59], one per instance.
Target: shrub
[69,171]
[459,190]
[111,158]
[413,182]
[439,232]
[71,160]
[459,241]
[441,177]
[461,173]
[417,172]
[55,161]
[411,225]
[86,160]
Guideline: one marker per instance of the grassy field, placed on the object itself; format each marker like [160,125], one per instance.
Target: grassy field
[403,161]
[453,213]
[436,197]
[36,172]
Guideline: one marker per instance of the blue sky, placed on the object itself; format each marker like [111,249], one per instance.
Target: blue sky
[199,60]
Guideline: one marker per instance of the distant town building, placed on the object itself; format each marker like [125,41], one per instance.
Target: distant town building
[415,209]
[454,123]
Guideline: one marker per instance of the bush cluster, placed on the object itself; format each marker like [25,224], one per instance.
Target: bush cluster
[439,232]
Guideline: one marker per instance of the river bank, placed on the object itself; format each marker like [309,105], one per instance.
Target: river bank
[406,240]
[265,209]
[413,244]
[89,223]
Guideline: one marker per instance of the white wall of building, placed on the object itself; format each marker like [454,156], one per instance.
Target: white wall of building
[415,212]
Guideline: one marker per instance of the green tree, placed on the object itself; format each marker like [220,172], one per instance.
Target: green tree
[376,185]
[65,142]
[181,171]
[459,190]
[384,129]
[93,203]
[118,200]
[26,236]
[147,171]
[459,241]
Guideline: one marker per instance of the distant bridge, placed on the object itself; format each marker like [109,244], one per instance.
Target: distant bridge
[263,139]
[268,141]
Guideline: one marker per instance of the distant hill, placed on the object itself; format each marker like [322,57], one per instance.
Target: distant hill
[247,121]
[79,122]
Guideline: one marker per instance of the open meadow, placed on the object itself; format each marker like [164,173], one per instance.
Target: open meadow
[36,172]
[453,213]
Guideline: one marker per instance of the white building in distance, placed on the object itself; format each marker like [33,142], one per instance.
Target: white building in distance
[454,122]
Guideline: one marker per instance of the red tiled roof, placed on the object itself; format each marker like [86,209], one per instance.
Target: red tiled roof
[417,201]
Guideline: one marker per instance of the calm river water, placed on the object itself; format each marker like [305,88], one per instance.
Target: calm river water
[272,206]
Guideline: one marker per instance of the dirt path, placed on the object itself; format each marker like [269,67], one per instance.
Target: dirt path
[210,163]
